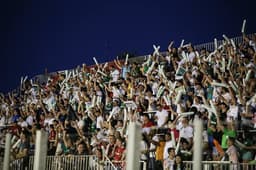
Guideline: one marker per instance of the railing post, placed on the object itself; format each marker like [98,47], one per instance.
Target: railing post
[40,150]
[7,151]
[133,149]
[144,165]
[197,156]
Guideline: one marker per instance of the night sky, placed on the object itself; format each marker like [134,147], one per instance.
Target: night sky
[61,34]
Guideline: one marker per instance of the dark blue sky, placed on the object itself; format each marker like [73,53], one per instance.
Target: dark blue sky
[61,34]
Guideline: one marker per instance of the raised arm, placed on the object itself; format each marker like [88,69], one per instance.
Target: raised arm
[170,46]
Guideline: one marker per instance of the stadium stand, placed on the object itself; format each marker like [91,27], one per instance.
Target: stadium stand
[86,110]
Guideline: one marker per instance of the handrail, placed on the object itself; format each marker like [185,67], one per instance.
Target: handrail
[87,162]
[74,162]
[211,165]
[108,159]
[208,46]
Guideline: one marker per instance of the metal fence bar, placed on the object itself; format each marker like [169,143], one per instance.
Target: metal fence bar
[109,164]
[221,165]
[89,162]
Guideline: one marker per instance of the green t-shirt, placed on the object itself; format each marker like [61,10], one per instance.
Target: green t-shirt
[227,133]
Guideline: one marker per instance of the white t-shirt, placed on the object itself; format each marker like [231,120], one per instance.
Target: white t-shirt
[115,75]
[32,91]
[48,121]
[99,120]
[23,124]
[168,144]
[154,88]
[29,120]
[2,120]
[191,56]
[115,111]
[169,164]
[80,123]
[116,92]
[227,96]
[198,107]
[152,146]
[143,146]
[50,102]
[232,113]
[185,132]
[161,117]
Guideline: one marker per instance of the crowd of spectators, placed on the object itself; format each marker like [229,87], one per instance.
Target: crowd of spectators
[87,110]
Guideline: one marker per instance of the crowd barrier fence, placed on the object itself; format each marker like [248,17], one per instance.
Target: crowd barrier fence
[221,165]
[87,162]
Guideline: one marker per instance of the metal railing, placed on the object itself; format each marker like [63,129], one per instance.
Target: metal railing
[120,165]
[208,46]
[90,162]
[221,165]
[87,162]
[106,158]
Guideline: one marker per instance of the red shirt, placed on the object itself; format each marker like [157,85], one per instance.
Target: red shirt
[118,153]
[147,124]
[176,133]
[14,129]
[52,135]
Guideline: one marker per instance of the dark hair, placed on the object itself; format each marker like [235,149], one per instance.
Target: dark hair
[232,139]
[170,149]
